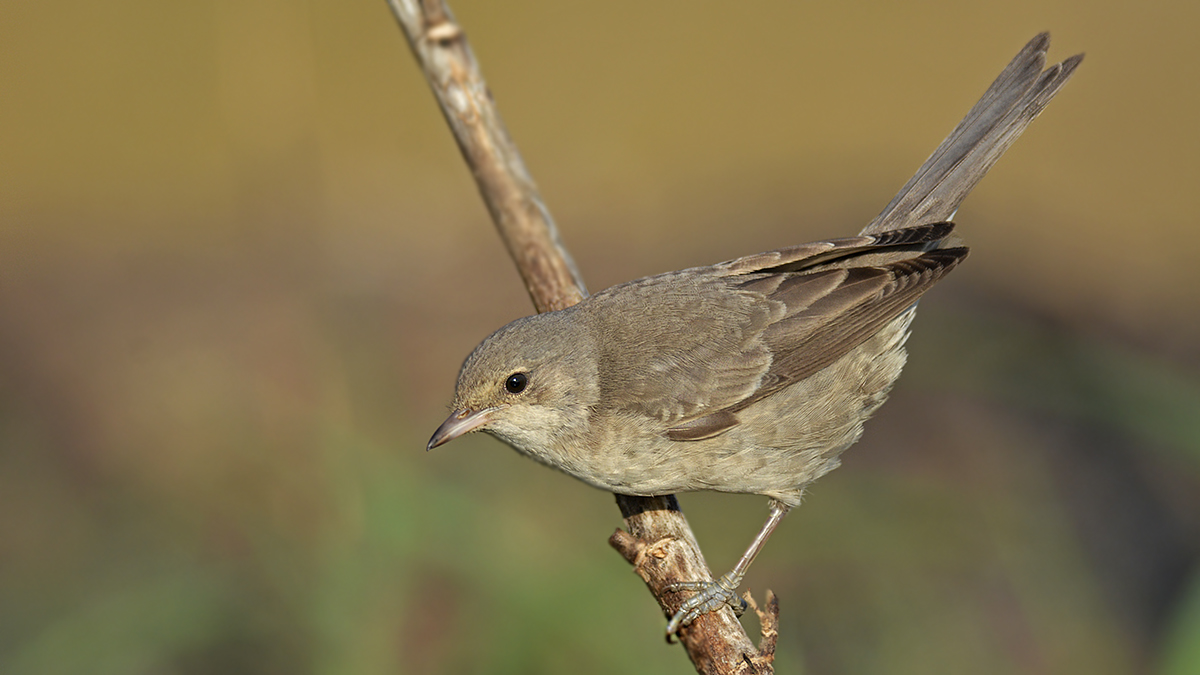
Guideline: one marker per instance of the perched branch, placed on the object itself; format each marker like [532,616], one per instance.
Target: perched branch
[659,543]
[664,551]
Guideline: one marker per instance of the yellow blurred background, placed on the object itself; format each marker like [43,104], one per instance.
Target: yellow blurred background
[241,261]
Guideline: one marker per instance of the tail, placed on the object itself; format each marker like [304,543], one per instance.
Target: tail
[1016,97]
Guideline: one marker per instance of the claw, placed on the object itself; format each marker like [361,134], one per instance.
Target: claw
[710,596]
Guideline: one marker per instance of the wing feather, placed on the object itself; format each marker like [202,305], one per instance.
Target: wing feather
[741,330]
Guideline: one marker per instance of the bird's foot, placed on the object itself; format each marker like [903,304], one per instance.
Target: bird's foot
[710,596]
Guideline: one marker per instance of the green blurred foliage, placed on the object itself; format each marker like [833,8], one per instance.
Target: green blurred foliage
[241,260]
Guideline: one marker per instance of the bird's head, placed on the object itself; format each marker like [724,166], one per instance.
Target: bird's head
[531,384]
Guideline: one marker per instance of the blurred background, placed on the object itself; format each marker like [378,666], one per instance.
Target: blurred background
[241,261]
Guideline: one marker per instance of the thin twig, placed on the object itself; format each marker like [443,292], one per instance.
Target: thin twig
[659,543]
[525,225]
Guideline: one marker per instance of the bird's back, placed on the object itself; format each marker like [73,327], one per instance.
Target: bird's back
[753,375]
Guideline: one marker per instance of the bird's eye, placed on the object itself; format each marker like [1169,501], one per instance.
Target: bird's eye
[516,382]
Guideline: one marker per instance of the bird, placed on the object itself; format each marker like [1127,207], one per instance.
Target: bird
[751,375]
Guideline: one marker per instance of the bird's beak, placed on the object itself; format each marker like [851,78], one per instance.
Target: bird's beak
[458,423]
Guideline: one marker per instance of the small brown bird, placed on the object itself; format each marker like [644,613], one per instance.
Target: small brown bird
[752,375]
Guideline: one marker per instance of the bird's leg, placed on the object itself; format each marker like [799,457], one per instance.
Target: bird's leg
[710,595]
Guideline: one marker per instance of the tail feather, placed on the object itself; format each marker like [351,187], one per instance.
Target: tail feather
[1017,96]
